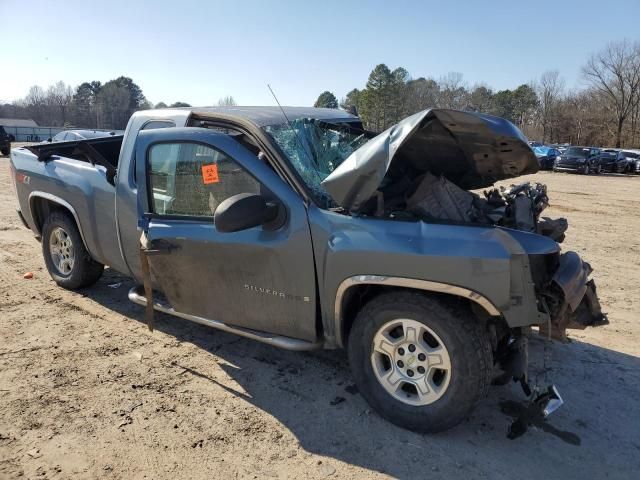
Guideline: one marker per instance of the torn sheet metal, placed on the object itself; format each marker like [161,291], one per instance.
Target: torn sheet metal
[472,150]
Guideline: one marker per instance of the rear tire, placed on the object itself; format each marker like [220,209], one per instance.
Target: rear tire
[65,255]
[447,342]
[5,152]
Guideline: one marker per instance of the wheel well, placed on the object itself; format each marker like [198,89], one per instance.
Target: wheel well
[41,208]
[358,295]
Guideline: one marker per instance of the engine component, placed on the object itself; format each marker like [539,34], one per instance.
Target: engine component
[519,206]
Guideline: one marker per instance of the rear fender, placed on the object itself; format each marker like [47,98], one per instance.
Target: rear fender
[40,204]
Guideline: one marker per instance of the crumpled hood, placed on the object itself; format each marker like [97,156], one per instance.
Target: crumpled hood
[472,150]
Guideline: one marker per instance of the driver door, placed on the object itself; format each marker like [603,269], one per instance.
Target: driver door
[258,278]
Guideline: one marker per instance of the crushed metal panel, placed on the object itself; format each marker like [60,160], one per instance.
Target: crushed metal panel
[470,149]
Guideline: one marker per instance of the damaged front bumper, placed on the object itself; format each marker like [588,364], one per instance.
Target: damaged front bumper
[571,299]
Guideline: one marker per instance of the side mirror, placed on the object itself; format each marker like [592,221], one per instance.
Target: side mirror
[243,211]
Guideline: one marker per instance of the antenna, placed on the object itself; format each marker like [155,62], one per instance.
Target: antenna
[281,109]
[295,132]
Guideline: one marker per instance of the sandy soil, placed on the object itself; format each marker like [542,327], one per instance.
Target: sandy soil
[87,392]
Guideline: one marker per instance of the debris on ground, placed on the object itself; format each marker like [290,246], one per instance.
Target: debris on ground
[34,453]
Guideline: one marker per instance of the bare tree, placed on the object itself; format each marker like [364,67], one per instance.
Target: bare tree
[59,98]
[549,90]
[227,101]
[34,104]
[422,93]
[615,72]
[453,93]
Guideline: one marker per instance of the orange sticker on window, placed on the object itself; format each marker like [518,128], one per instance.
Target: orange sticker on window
[210,174]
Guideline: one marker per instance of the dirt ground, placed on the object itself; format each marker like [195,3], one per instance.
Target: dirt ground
[86,391]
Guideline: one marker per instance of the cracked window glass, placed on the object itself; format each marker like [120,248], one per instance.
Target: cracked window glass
[315,148]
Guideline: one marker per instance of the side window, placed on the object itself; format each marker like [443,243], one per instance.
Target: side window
[148,126]
[193,179]
[158,124]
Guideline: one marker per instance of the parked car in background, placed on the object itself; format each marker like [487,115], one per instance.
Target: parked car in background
[74,135]
[546,156]
[561,147]
[612,160]
[578,159]
[633,160]
[5,141]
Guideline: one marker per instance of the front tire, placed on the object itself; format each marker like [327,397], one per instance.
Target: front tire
[65,255]
[420,363]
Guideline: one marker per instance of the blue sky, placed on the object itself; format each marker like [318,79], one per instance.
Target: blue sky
[200,51]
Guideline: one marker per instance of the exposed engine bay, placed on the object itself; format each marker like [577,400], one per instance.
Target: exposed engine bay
[434,199]
[562,283]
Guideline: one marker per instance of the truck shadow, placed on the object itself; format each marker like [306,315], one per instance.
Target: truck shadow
[313,396]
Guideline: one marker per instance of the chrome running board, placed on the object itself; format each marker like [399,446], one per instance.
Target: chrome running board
[136,295]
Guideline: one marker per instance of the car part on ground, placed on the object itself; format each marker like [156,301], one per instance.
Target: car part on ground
[540,405]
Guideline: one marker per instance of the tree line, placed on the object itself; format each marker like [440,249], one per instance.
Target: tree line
[90,105]
[606,111]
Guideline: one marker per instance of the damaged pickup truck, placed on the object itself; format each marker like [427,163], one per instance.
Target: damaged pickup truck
[297,228]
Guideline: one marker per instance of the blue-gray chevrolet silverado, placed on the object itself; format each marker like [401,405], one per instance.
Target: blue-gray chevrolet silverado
[298,228]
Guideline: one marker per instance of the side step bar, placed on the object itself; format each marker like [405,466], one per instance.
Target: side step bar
[136,295]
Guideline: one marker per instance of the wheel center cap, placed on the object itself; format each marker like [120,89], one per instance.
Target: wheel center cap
[411,360]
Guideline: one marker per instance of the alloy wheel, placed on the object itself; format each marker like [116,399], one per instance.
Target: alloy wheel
[61,250]
[411,362]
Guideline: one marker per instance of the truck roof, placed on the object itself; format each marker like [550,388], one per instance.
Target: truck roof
[269,115]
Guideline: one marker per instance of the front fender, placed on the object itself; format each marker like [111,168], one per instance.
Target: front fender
[486,265]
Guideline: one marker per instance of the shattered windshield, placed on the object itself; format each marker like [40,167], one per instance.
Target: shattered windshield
[315,148]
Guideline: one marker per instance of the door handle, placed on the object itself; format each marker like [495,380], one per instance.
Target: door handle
[160,247]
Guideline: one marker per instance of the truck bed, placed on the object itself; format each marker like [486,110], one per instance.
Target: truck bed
[76,174]
[96,151]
